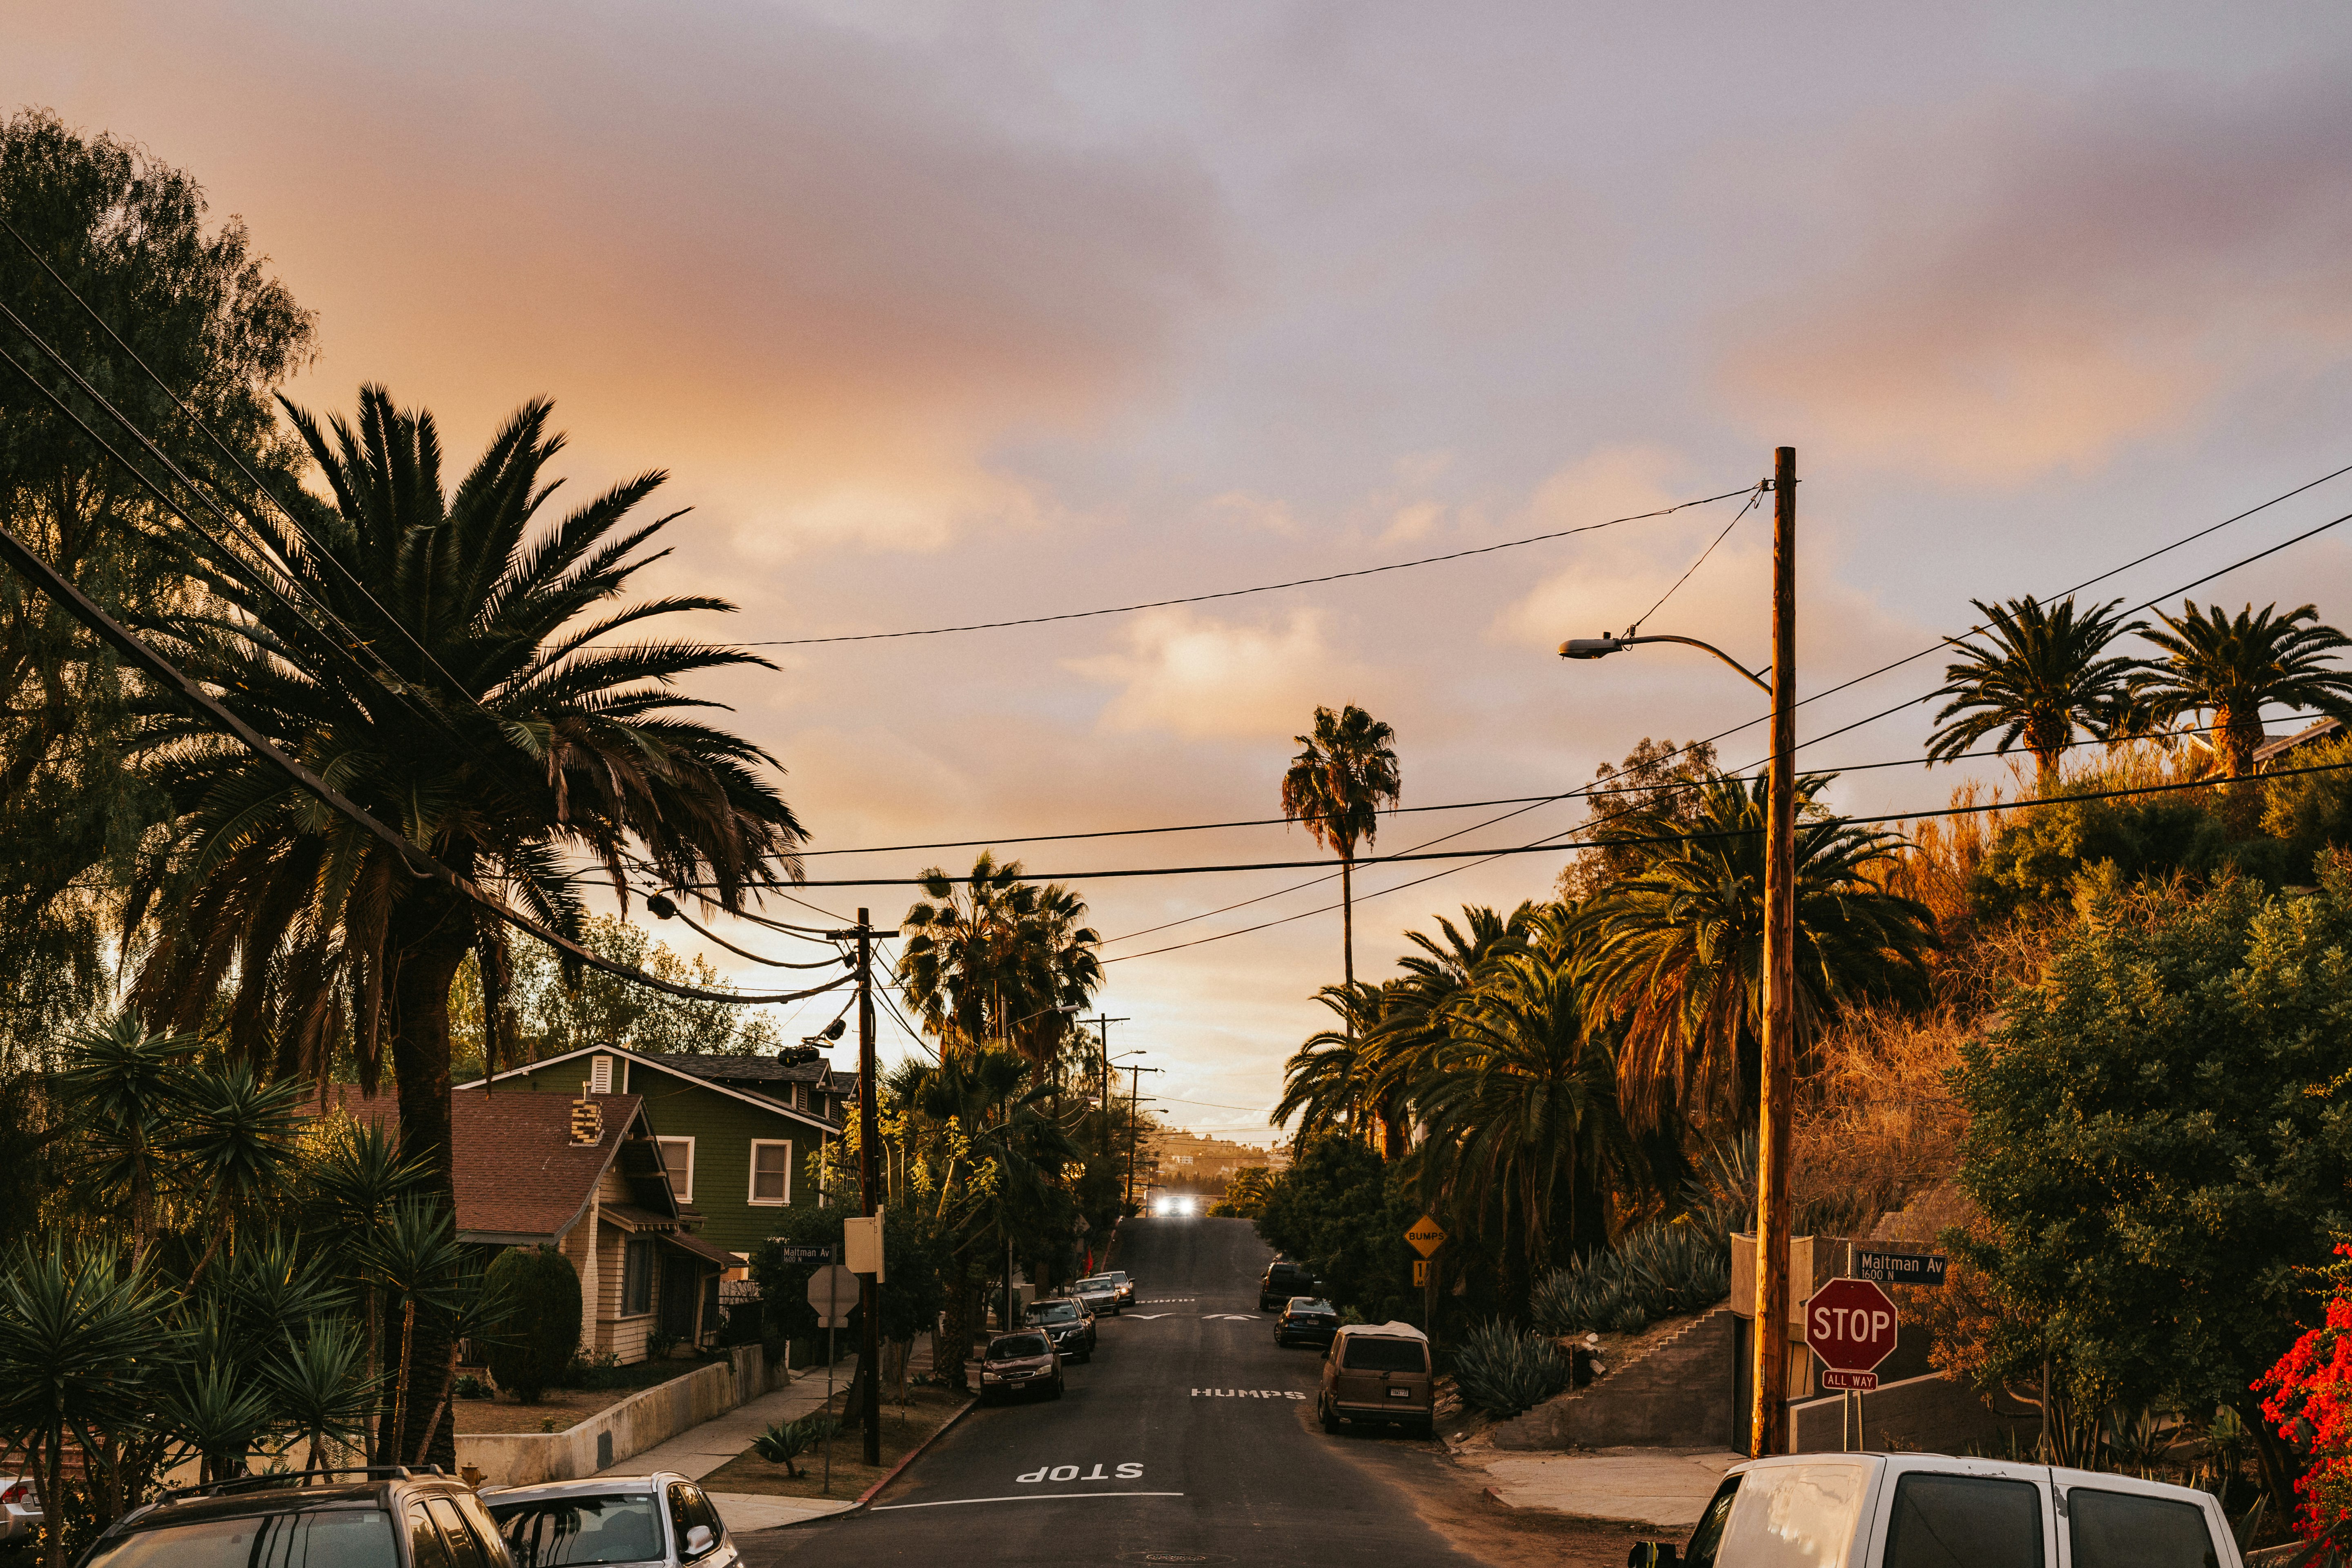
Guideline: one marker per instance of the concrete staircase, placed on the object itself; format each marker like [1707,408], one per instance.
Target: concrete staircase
[1670,1388]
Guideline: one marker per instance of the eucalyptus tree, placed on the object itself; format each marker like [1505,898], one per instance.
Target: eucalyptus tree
[1674,954]
[2231,667]
[127,231]
[527,719]
[1345,770]
[2041,675]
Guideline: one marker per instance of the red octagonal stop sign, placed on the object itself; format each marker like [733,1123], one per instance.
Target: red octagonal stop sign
[1850,1324]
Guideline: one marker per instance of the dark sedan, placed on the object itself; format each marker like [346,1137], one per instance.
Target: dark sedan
[1067,1323]
[1021,1363]
[1305,1322]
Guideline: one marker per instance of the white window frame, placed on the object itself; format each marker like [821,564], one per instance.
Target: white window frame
[751,1186]
[685,1195]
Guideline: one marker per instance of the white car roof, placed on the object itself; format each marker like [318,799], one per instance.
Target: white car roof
[1391,1329]
[653,1481]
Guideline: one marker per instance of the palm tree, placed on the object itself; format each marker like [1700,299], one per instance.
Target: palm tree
[1324,1078]
[2044,674]
[1520,1106]
[1336,785]
[1675,955]
[1416,1013]
[992,958]
[523,723]
[2233,668]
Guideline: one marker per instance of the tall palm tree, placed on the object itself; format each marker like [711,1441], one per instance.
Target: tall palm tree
[993,958]
[1520,1106]
[1337,783]
[1675,955]
[524,724]
[2232,668]
[2043,674]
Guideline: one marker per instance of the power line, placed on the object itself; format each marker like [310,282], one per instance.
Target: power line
[1261,588]
[1694,565]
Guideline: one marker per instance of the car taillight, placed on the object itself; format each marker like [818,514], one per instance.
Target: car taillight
[16,1493]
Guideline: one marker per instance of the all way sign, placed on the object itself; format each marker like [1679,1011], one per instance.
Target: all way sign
[1850,1324]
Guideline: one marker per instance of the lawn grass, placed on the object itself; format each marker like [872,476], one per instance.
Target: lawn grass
[904,1429]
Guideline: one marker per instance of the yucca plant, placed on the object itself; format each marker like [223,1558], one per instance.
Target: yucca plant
[1503,1369]
[785,1441]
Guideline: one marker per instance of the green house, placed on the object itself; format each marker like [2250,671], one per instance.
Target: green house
[735,1131]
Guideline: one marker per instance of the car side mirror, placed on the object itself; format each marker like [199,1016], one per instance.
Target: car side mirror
[699,1540]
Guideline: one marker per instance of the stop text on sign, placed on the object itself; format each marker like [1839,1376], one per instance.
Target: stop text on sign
[1850,1325]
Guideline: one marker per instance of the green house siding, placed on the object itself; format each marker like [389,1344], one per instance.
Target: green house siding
[723,1129]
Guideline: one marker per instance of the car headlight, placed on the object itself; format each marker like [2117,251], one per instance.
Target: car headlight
[988,1376]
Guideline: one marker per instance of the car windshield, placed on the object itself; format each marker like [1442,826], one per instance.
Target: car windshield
[1095,1282]
[1304,1304]
[1011,1347]
[597,1527]
[1368,1352]
[314,1538]
[1055,1312]
[1116,1279]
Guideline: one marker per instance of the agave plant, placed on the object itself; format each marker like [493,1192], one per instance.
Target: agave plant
[1503,1369]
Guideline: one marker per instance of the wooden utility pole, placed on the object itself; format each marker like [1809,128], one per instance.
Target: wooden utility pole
[1768,1427]
[869,1289]
[1134,1122]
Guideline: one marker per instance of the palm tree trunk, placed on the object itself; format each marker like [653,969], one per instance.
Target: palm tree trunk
[434,931]
[2240,733]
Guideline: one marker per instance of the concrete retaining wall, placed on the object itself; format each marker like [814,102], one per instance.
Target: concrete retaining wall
[1931,1413]
[1673,1397]
[614,1434]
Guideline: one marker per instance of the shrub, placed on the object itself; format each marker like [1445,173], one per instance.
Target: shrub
[541,1328]
[471,1387]
[1655,1272]
[1503,1369]
[785,1441]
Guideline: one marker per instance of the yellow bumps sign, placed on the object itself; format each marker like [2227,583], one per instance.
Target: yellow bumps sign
[1426,1235]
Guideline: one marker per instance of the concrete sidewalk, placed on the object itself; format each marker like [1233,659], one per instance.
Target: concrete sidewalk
[1663,1487]
[699,1450]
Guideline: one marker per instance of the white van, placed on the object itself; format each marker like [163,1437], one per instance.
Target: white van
[1930,1511]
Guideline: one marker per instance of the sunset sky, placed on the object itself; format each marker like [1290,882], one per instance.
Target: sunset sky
[941,313]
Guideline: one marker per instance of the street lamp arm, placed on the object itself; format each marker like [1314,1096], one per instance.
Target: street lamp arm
[1600,648]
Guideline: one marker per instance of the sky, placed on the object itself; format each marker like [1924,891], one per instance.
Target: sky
[945,313]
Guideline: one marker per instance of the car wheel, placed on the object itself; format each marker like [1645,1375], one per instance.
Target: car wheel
[1055,1391]
[1330,1422]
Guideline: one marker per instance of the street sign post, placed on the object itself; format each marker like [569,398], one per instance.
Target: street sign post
[1426,1235]
[1850,1325]
[1898,1267]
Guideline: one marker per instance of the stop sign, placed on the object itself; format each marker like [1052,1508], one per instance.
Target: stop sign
[1850,1324]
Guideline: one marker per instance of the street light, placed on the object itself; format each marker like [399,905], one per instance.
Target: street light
[1767,1418]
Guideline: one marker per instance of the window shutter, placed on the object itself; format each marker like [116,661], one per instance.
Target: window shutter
[600,1075]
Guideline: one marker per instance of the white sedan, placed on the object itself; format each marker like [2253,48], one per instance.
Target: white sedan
[658,1520]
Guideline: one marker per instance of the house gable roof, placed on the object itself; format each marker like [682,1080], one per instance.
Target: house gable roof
[518,1174]
[667,1063]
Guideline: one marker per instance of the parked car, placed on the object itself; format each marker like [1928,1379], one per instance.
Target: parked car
[1282,1280]
[1098,1293]
[1017,1363]
[1066,1322]
[659,1518]
[20,1508]
[1306,1320]
[386,1516]
[1378,1372]
[1126,1287]
[1883,1510]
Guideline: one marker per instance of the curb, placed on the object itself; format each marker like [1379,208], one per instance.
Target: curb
[870,1493]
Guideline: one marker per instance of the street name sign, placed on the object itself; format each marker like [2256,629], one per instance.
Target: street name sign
[1898,1267]
[1850,1324]
[1426,1235]
[803,1254]
[832,1291]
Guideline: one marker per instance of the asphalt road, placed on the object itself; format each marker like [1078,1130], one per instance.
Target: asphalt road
[1189,1439]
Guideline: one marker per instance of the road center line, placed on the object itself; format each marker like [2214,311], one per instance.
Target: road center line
[1031,1497]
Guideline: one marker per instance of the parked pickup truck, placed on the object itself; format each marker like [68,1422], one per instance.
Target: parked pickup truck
[1930,1511]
